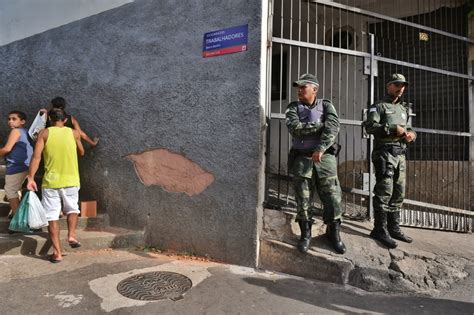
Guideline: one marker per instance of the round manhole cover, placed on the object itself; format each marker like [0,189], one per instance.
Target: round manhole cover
[155,286]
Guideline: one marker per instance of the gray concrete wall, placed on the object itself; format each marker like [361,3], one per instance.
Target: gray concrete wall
[135,76]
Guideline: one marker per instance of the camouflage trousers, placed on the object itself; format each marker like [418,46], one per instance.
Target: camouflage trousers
[390,174]
[310,177]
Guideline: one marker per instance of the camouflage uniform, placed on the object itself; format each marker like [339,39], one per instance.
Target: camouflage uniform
[310,176]
[388,157]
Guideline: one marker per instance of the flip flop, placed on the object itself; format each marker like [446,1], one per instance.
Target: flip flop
[54,260]
[75,244]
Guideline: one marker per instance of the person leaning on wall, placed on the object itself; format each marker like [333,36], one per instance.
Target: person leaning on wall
[313,124]
[71,122]
[389,122]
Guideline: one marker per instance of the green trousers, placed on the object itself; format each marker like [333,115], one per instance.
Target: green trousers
[390,174]
[310,177]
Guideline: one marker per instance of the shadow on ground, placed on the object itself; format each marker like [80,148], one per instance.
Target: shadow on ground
[340,299]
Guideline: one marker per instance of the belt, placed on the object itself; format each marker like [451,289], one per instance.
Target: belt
[330,150]
[393,149]
[304,153]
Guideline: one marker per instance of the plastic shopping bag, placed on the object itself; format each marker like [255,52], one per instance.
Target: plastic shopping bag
[19,222]
[38,124]
[36,214]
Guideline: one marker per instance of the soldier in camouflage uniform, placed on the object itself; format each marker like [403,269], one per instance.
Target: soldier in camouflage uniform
[388,120]
[313,124]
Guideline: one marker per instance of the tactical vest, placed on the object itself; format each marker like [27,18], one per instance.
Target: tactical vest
[307,115]
[394,114]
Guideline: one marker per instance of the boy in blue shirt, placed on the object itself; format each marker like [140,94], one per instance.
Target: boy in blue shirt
[17,153]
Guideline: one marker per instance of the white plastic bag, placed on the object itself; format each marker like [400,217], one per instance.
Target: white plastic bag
[38,124]
[36,214]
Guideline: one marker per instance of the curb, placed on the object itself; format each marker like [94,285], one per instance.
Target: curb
[39,243]
[100,221]
[283,257]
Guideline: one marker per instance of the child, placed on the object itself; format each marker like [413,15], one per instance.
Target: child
[17,152]
[71,122]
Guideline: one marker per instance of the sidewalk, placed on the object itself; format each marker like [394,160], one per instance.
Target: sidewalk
[86,283]
[431,265]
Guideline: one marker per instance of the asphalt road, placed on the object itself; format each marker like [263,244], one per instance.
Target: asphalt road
[86,283]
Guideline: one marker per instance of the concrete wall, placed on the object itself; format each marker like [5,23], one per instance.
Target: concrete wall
[135,76]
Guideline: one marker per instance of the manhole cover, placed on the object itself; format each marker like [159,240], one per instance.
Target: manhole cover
[155,286]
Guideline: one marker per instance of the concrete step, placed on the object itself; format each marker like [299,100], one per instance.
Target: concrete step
[284,257]
[100,221]
[278,251]
[367,264]
[4,208]
[39,243]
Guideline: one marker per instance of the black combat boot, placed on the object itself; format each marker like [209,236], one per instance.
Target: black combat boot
[380,232]
[393,226]
[303,244]
[332,233]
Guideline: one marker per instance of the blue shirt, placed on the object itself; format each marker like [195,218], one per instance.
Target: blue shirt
[18,160]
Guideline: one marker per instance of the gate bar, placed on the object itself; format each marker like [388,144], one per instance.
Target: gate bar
[391,19]
[368,55]
[371,137]
[412,202]
[423,130]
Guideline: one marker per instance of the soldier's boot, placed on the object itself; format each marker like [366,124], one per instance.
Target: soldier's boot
[332,233]
[305,227]
[380,232]
[393,226]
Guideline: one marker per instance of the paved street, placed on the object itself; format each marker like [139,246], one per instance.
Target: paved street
[86,283]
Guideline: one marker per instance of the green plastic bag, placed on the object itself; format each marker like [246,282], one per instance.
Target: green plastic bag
[19,222]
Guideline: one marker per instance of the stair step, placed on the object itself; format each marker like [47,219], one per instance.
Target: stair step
[100,221]
[39,243]
[4,208]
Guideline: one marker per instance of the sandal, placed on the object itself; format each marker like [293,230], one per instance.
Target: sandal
[54,260]
[75,244]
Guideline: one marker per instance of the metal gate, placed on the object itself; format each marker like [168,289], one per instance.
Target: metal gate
[353,46]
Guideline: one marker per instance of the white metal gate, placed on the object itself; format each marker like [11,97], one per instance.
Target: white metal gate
[353,46]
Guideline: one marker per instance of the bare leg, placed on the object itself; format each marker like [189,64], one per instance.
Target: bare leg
[53,229]
[72,226]
[14,203]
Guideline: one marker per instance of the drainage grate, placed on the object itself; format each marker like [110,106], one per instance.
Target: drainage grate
[155,286]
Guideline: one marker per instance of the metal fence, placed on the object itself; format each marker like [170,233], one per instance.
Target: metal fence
[352,47]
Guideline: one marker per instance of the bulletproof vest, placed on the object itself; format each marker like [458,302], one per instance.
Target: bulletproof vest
[306,115]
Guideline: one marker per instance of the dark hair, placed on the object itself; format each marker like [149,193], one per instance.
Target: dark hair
[56,114]
[21,115]
[58,102]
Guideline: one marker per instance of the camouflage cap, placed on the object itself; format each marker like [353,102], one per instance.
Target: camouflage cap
[397,78]
[306,78]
